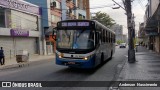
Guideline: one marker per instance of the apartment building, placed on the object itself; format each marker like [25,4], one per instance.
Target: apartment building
[118,29]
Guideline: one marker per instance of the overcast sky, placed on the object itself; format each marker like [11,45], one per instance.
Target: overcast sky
[138,8]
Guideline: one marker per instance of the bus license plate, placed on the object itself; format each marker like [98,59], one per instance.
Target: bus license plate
[71,63]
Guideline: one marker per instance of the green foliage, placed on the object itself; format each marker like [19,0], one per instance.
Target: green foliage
[119,41]
[104,18]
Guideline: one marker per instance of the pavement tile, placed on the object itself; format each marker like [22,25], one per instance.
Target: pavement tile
[146,68]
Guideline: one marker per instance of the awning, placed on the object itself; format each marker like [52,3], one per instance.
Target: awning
[49,30]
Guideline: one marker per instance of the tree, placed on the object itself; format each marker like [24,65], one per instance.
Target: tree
[104,18]
[119,41]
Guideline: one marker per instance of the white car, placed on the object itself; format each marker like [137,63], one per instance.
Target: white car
[122,45]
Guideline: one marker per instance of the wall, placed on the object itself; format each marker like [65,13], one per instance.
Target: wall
[43,5]
[23,21]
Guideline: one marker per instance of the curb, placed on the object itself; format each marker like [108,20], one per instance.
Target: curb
[22,64]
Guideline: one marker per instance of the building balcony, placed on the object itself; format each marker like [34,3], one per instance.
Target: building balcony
[56,12]
[70,4]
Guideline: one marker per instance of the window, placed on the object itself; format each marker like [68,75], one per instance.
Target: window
[106,37]
[109,37]
[97,38]
[2,17]
[58,4]
[80,16]
[80,4]
[103,36]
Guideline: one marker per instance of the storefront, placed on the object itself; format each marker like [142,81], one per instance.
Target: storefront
[19,27]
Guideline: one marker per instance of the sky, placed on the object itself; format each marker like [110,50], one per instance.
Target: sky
[138,9]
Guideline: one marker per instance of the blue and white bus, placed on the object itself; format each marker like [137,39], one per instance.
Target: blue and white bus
[83,43]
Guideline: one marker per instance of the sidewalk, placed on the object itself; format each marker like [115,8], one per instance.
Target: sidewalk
[9,63]
[146,68]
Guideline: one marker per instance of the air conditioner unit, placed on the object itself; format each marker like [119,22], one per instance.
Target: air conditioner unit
[53,4]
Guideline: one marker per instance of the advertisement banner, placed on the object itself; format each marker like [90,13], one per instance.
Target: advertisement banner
[16,32]
[20,6]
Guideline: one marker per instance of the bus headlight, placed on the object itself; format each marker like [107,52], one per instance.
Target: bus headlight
[85,58]
[88,57]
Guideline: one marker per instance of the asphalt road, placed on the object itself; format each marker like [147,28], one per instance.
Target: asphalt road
[47,70]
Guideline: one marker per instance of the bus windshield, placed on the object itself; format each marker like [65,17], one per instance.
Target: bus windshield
[75,39]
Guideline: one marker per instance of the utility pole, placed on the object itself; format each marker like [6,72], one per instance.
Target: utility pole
[131,35]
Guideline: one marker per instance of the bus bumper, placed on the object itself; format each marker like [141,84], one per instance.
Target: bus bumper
[76,63]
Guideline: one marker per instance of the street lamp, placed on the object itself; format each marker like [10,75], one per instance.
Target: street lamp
[115,7]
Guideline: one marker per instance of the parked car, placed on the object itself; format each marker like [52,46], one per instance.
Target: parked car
[122,45]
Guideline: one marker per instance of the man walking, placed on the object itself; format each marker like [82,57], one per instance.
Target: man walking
[2,59]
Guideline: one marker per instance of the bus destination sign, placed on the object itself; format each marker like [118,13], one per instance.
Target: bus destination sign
[74,24]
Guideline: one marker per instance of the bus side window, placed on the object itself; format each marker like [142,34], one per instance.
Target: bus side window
[114,38]
[105,40]
[106,37]
[97,38]
[102,36]
[111,38]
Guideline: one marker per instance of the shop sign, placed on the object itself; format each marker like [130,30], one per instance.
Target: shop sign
[16,32]
[20,5]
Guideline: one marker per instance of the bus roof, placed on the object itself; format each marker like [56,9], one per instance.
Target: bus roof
[103,26]
[96,23]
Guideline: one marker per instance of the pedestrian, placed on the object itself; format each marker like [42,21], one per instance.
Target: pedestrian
[2,57]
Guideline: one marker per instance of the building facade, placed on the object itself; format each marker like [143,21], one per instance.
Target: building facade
[75,9]
[118,29]
[152,25]
[20,27]
[51,14]
[57,10]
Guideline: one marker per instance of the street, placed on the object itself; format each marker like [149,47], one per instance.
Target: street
[49,71]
